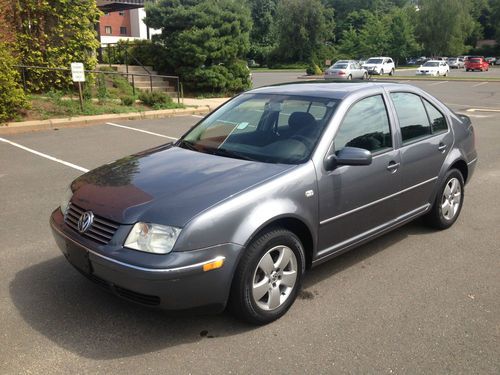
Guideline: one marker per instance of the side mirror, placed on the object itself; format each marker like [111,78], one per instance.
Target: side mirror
[348,156]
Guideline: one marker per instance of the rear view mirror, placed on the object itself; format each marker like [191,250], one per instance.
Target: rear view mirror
[348,156]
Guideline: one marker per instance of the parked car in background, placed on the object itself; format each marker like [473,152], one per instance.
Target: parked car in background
[433,68]
[491,60]
[347,70]
[380,65]
[276,181]
[456,62]
[476,63]
[497,61]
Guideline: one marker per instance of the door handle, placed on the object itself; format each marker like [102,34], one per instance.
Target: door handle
[393,166]
[442,147]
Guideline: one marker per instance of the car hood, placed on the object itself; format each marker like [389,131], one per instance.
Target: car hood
[166,185]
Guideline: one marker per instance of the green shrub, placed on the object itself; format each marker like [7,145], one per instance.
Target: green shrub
[314,69]
[155,99]
[12,97]
[128,100]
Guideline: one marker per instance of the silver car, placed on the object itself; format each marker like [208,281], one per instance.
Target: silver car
[346,69]
[274,182]
[456,62]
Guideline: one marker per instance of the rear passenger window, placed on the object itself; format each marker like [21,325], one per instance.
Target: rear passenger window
[366,125]
[438,122]
[412,116]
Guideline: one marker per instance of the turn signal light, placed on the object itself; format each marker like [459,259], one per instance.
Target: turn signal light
[218,263]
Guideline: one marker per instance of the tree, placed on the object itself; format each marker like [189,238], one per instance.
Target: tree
[444,26]
[12,98]
[54,34]
[205,41]
[303,28]
[263,14]
[402,42]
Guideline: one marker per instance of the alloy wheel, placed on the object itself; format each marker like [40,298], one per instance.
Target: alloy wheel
[274,278]
[451,199]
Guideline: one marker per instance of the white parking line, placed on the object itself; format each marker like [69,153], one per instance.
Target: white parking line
[77,167]
[480,84]
[141,131]
[438,83]
[198,116]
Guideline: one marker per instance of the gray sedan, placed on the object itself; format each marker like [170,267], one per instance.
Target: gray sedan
[346,70]
[274,182]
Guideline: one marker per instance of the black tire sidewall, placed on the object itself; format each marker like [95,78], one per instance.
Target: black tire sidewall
[247,308]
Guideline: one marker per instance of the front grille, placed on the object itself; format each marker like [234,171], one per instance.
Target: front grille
[101,230]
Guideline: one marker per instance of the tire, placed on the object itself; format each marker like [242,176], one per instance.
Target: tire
[381,72]
[259,293]
[365,76]
[349,77]
[444,214]
[391,73]
[445,74]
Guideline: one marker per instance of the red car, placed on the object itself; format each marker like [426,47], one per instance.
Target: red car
[476,63]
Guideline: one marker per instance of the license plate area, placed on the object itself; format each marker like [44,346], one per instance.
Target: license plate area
[79,258]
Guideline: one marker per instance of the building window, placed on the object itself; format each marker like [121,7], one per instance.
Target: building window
[107,30]
[123,30]
[121,12]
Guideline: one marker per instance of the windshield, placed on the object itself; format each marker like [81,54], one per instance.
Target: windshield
[263,127]
[374,61]
[431,63]
[339,66]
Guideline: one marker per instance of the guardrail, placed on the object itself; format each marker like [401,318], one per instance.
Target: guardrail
[25,68]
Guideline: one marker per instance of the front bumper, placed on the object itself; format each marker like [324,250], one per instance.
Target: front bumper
[183,285]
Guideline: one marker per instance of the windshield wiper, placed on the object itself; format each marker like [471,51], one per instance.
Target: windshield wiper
[186,144]
[231,154]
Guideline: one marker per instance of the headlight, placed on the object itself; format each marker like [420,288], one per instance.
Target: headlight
[152,238]
[65,200]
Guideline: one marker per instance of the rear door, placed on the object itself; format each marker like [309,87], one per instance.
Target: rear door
[425,140]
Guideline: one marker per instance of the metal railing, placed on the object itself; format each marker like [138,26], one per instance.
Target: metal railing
[25,68]
[113,50]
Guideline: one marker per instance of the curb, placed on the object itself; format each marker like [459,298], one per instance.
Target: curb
[79,121]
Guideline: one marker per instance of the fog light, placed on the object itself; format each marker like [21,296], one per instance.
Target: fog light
[217,263]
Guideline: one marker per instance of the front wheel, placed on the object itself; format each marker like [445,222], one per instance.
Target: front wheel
[268,277]
[391,72]
[448,202]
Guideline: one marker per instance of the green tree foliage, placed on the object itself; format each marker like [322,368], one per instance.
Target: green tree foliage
[382,34]
[205,42]
[55,33]
[445,25]
[263,13]
[303,27]
[12,98]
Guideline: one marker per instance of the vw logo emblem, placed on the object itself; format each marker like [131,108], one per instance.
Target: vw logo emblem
[85,221]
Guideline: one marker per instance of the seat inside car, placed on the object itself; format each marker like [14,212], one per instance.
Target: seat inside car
[303,124]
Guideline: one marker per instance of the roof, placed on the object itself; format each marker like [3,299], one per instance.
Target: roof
[323,89]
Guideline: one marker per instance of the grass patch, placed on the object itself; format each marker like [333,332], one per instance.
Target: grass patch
[59,105]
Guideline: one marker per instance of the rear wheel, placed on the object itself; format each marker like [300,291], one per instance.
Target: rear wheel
[365,76]
[449,201]
[391,73]
[268,277]
[349,77]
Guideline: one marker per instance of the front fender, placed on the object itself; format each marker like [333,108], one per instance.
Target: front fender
[239,218]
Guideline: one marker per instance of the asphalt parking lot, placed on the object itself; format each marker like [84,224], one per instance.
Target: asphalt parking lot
[413,301]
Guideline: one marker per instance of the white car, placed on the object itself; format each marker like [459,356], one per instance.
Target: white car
[380,65]
[433,68]
[349,71]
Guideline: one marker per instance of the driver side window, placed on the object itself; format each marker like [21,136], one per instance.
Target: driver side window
[366,125]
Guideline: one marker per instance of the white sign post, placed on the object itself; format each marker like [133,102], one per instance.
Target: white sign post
[78,75]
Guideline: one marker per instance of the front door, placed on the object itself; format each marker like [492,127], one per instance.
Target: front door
[356,200]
